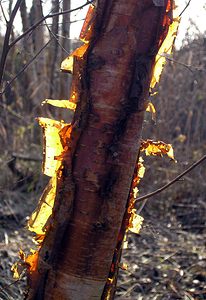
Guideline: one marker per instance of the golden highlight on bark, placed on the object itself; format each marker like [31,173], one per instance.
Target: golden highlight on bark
[164,51]
[67,64]
[53,146]
[150,108]
[88,205]
[60,103]
[158,148]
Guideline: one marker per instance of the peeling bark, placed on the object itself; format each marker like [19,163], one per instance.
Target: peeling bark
[95,178]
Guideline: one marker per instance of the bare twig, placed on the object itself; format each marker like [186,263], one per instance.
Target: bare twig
[55,37]
[60,23]
[189,67]
[26,157]
[139,210]
[14,113]
[24,68]
[3,13]
[11,211]
[6,45]
[58,42]
[185,8]
[164,187]
[47,17]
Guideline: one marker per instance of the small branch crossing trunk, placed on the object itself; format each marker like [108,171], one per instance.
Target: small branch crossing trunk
[92,194]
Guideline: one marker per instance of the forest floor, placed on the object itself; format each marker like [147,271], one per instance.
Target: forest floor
[166,261]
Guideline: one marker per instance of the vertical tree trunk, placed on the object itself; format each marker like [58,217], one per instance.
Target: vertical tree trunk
[39,41]
[66,48]
[98,164]
[54,50]
[66,42]
[31,98]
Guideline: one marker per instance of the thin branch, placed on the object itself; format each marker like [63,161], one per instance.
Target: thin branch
[164,187]
[189,67]
[55,37]
[63,37]
[15,114]
[139,210]
[6,45]
[45,18]
[60,23]
[26,157]
[58,42]
[3,13]
[185,8]
[24,68]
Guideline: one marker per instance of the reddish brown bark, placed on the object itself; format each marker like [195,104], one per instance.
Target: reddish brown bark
[94,182]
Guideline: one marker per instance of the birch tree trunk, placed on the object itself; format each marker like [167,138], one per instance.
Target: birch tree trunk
[94,182]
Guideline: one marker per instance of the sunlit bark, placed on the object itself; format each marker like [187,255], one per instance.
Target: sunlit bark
[95,179]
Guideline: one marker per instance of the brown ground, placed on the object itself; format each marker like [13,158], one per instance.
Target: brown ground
[166,261]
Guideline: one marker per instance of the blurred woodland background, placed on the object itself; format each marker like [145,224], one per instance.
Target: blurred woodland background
[168,259]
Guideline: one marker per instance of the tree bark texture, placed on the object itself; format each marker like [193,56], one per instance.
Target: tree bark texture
[94,182]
